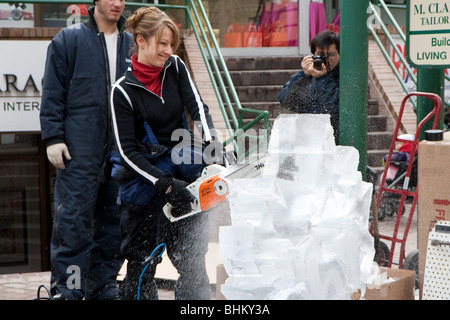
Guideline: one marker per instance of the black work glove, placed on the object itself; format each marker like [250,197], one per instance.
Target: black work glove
[177,195]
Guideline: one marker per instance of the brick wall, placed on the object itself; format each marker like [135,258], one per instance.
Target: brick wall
[28,33]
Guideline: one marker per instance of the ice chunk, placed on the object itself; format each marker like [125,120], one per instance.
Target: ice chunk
[246,287]
[236,249]
[332,278]
[298,292]
[307,262]
[251,211]
[256,187]
[273,247]
[363,205]
[280,271]
[300,231]
[292,133]
[339,205]
[282,166]
[347,159]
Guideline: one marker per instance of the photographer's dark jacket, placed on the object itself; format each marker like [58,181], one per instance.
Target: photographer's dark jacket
[165,114]
[306,94]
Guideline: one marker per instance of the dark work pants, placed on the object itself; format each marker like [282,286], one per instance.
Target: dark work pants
[85,244]
[186,245]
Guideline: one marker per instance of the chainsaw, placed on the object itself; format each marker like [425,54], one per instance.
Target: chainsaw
[213,186]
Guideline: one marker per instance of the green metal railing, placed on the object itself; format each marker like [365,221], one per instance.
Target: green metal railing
[376,15]
[382,5]
[225,92]
[236,126]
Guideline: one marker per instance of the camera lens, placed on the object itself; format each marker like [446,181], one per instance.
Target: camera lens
[318,64]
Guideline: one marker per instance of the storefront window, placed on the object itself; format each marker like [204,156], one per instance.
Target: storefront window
[61,15]
[255,23]
[16,15]
[236,24]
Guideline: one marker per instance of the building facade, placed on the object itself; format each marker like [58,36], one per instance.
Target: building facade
[242,28]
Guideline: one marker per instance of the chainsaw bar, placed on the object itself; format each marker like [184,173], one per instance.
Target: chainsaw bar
[213,186]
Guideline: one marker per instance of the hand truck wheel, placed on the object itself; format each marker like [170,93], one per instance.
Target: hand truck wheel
[382,254]
[411,262]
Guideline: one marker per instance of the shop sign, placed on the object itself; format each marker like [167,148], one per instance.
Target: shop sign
[428,33]
[21,73]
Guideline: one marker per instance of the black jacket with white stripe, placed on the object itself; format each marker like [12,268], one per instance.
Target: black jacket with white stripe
[165,114]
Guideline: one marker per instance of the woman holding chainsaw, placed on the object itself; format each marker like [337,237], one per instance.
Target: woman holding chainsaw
[158,158]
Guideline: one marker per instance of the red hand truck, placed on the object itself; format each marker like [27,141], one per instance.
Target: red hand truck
[404,191]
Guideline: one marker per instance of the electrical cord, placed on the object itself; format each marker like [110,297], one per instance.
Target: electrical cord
[50,297]
[39,293]
[149,260]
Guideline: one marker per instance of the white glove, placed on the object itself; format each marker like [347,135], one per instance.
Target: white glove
[55,153]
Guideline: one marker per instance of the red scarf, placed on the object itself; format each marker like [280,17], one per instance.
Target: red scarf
[150,76]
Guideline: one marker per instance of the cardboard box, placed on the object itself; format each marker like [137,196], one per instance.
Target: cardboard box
[447,135]
[400,289]
[433,193]
[221,277]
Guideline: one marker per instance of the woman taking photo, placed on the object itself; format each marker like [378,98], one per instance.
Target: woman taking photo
[148,107]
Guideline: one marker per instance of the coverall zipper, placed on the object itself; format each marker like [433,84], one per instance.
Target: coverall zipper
[108,83]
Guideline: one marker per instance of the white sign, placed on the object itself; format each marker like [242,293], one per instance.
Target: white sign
[21,73]
[428,32]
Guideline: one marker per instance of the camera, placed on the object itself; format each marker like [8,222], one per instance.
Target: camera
[318,60]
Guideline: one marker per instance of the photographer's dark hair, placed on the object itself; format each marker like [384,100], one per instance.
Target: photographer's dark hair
[324,39]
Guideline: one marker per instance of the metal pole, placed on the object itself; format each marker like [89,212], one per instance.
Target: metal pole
[353,78]
[433,81]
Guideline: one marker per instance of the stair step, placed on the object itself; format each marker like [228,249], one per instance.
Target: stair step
[376,123]
[274,108]
[258,81]
[261,77]
[374,157]
[372,107]
[378,140]
[263,63]
[258,93]
[389,89]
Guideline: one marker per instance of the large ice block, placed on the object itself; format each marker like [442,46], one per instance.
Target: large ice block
[301,230]
[247,287]
[236,250]
[293,133]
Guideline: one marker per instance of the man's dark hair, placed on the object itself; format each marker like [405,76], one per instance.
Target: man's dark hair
[324,39]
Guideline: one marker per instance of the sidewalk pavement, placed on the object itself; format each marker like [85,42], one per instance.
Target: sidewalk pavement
[24,286]
[387,228]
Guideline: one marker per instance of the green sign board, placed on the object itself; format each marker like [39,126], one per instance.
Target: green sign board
[428,33]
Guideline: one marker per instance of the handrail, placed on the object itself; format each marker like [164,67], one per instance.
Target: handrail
[409,70]
[234,124]
[393,44]
[240,130]
[216,69]
[401,34]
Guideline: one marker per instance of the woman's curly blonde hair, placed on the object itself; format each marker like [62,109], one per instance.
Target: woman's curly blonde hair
[151,22]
